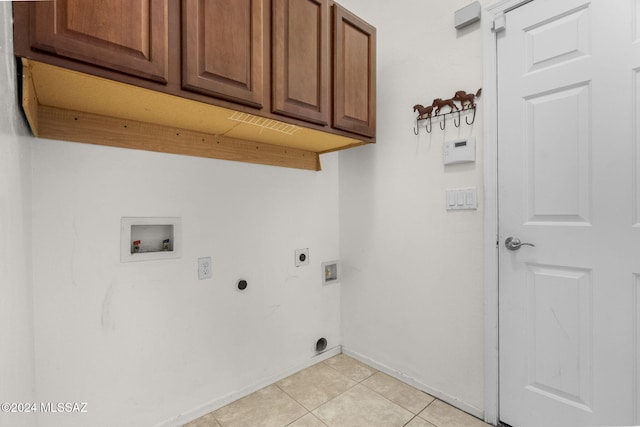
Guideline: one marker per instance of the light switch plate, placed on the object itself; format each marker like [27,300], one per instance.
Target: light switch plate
[461,198]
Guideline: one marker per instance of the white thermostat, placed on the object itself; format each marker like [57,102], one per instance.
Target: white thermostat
[459,151]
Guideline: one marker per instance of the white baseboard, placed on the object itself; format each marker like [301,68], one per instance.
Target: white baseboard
[232,397]
[438,394]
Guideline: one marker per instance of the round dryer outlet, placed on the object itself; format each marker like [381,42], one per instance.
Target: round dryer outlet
[302,257]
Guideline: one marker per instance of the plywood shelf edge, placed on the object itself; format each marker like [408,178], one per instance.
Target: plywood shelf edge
[30,103]
[56,120]
[75,126]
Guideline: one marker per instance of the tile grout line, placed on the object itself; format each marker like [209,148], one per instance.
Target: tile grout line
[409,422]
[375,371]
[378,394]
[430,403]
[294,399]
[308,413]
[300,403]
[457,410]
[397,404]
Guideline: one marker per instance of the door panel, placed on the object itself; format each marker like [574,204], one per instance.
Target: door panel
[123,35]
[559,151]
[223,49]
[568,155]
[560,318]
[301,59]
[560,39]
[354,77]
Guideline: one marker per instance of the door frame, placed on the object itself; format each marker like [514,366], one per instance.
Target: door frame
[490,220]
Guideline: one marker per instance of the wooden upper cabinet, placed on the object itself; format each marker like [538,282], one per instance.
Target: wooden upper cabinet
[300,67]
[354,73]
[223,48]
[124,35]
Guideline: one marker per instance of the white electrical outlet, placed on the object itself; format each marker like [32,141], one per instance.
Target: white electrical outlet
[302,257]
[204,268]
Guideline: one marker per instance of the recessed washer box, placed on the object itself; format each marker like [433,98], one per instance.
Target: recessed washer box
[150,238]
[330,272]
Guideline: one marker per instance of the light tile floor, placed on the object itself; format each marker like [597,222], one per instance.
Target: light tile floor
[339,392]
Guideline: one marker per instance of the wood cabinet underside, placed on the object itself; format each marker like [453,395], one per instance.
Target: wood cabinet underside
[67,105]
[245,80]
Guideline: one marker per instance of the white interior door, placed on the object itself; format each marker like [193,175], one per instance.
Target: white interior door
[568,182]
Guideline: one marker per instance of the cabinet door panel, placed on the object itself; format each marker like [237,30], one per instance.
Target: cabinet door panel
[301,59]
[223,48]
[354,74]
[123,35]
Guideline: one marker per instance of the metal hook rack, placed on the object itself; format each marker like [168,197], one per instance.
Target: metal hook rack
[432,112]
[442,119]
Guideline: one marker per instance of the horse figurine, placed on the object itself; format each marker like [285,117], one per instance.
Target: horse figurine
[438,103]
[466,98]
[423,112]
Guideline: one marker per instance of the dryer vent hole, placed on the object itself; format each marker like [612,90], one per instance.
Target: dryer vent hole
[321,345]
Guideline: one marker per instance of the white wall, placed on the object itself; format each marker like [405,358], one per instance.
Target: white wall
[412,290]
[143,342]
[16,299]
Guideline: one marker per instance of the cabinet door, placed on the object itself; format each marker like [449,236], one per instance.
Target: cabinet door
[223,47]
[123,35]
[354,73]
[300,86]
